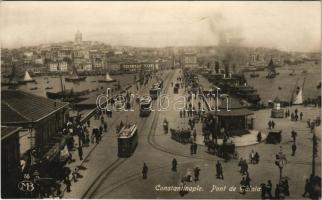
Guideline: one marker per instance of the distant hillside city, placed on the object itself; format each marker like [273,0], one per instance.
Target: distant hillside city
[96,57]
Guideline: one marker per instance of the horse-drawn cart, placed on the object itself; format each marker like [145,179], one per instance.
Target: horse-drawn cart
[274,137]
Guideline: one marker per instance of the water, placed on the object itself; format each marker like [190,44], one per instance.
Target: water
[88,84]
[268,88]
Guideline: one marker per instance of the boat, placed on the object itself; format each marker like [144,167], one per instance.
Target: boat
[34,88]
[254,75]
[27,78]
[13,81]
[107,79]
[48,88]
[271,70]
[74,77]
[298,91]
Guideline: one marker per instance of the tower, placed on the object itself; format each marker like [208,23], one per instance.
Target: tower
[78,37]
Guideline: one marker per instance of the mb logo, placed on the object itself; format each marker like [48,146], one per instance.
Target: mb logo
[26,186]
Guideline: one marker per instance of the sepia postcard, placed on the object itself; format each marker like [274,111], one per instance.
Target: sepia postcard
[160,99]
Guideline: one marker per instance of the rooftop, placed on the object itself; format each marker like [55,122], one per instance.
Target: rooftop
[22,107]
[6,131]
[127,131]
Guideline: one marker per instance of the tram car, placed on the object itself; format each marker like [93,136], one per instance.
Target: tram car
[145,106]
[155,91]
[127,141]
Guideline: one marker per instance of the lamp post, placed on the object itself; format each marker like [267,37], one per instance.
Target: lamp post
[280,161]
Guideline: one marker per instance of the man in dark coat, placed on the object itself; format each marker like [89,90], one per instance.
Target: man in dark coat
[80,152]
[174,165]
[195,148]
[145,171]
[306,188]
[197,172]
[293,149]
[219,170]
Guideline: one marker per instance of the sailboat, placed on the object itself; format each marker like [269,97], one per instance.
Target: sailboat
[27,78]
[107,79]
[271,70]
[67,95]
[298,99]
[13,81]
[75,77]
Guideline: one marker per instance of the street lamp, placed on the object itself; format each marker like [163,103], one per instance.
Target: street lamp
[280,161]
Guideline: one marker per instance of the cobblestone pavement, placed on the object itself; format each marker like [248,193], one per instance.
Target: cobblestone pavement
[107,176]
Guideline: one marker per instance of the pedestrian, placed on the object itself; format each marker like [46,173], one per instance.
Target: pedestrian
[191,148]
[273,124]
[243,186]
[194,133]
[293,149]
[306,188]
[196,172]
[240,164]
[256,158]
[301,115]
[263,189]
[245,167]
[67,183]
[294,134]
[102,119]
[269,188]
[80,152]
[259,136]
[180,112]
[195,148]
[269,124]
[174,165]
[296,117]
[219,170]
[277,191]
[296,111]
[105,127]
[145,171]
[74,174]
[247,181]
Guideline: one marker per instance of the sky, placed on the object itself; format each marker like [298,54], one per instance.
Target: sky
[289,26]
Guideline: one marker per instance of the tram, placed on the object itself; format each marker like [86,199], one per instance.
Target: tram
[155,90]
[145,106]
[127,140]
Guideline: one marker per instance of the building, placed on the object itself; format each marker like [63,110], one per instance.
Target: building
[53,67]
[63,67]
[136,67]
[41,118]
[189,60]
[78,37]
[233,119]
[10,162]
